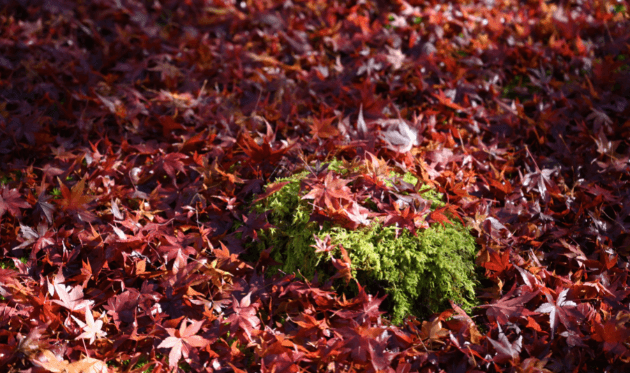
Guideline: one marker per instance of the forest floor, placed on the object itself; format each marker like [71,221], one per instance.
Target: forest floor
[138,137]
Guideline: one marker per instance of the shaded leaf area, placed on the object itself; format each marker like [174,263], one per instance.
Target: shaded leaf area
[134,136]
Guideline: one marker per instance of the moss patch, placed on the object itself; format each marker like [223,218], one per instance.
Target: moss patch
[420,273]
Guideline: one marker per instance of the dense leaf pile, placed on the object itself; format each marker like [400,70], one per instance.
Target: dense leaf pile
[135,137]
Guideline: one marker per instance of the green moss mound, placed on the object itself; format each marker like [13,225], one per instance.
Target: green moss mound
[419,273]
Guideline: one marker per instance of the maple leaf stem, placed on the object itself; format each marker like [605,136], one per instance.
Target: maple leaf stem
[532,157]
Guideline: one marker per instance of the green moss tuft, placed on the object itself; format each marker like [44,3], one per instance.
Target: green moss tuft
[419,273]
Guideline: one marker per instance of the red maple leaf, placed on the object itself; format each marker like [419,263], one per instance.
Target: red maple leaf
[244,317]
[437,216]
[510,306]
[495,261]
[409,218]
[343,265]
[269,190]
[261,153]
[323,128]
[369,307]
[614,333]
[123,307]
[75,202]
[358,339]
[560,310]
[329,192]
[323,245]
[181,340]
[252,223]
[10,201]
[171,163]
[506,350]
[42,206]
[446,101]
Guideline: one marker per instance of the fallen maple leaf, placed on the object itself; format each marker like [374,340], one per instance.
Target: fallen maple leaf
[323,128]
[494,261]
[244,317]
[180,341]
[91,329]
[432,332]
[613,333]
[343,265]
[171,163]
[330,192]
[358,214]
[42,206]
[72,300]
[399,136]
[75,202]
[506,350]
[447,101]
[322,245]
[507,308]
[437,216]
[558,310]
[369,307]
[10,201]
[49,361]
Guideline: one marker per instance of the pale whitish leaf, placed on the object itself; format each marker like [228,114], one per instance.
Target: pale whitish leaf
[369,67]
[361,126]
[395,57]
[175,344]
[399,136]
[551,310]
[70,297]
[322,245]
[397,21]
[358,214]
[28,232]
[91,329]
[109,104]
[29,236]
[51,288]
[119,232]
[562,302]
[116,211]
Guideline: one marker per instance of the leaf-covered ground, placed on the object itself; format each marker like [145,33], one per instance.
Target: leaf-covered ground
[135,135]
